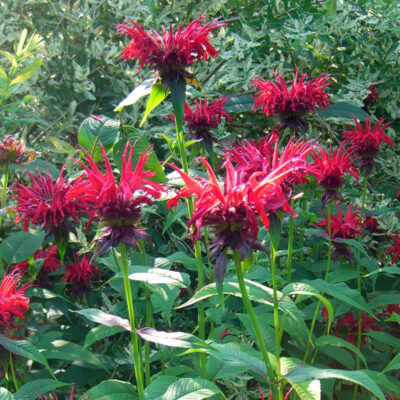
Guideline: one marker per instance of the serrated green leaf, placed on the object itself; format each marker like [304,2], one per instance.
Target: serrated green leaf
[32,390]
[154,276]
[140,91]
[343,110]
[24,349]
[27,72]
[112,390]
[182,258]
[20,246]
[393,365]
[238,104]
[99,333]
[159,386]
[157,95]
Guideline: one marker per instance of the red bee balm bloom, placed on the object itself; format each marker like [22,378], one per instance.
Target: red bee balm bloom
[205,118]
[13,302]
[232,213]
[114,205]
[366,142]
[12,152]
[79,273]
[342,228]
[291,105]
[395,249]
[329,169]
[169,53]
[46,202]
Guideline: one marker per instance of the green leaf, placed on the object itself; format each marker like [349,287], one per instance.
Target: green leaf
[154,276]
[96,315]
[157,95]
[394,364]
[342,110]
[32,390]
[141,145]
[5,394]
[178,89]
[24,349]
[305,373]
[112,390]
[384,299]
[21,43]
[190,389]
[3,73]
[238,104]
[172,339]
[182,258]
[95,130]
[140,91]
[67,351]
[27,72]
[309,290]
[342,292]
[100,332]
[385,338]
[338,342]
[20,246]
[159,386]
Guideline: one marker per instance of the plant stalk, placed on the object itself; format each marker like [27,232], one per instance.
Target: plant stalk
[3,193]
[134,337]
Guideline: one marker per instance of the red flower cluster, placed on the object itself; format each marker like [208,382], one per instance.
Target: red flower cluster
[366,142]
[112,204]
[342,229]
[329,169]
[50,264]
[291,104]
[389,310]
[54,396]
[205,118]
[350,324]
[371,224]
[79,272]
[170,53]
[395,248]
[47,202]
[13,302]
[232,213]
[373,96]
[13,152]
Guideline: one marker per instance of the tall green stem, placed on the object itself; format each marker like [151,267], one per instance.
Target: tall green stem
[197,252]
[134,337]
[328,268]
[359,330]
[254,322]
[290,249]
[3,193]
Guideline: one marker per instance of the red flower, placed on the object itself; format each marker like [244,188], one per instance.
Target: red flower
[225,334]
[291,105]
[46,202]
[395,248]
[372,225]
[50,264]
[205,118]
[366,142]
[373,96]
[112,204]
[54,396]
[351,325]
[393,396]
[79,272]
[13,152]
[169,53]
[342,228]
[329,169]
[389,310]
[13,302]
[325,314]
[232,213]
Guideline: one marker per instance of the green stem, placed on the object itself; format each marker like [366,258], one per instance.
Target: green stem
[290,250]
[359,330]
[134,337]
[276,317]
[13,372]
[328,268]
[254,321]
[197,252]
[3,194]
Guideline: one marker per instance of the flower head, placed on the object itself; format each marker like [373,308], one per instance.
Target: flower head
[329,169]
[170,53]
[395,248]
[13,302]
[50,264]
[366,141]
[46,202]
[114,205]
[205,118]
[342,228]
[13,152]
[291,104]
[79,272]
[371,224]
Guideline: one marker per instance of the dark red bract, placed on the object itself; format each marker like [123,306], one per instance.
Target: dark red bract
[395,249]
[169,53]
[366,141]
[276,99]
